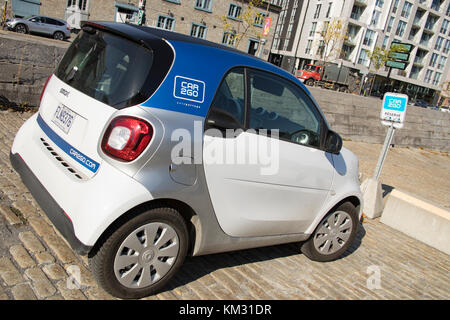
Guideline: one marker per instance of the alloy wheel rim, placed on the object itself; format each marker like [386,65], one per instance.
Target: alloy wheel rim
[58,36]
[146,255]
[21,29]
[333,233]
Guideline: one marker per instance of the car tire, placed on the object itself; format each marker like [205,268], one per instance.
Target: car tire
[58,35]
[309,82]
[21,28]
[128,266]
[333,235]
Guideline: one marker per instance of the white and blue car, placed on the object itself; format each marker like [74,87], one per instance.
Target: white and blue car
[150,145]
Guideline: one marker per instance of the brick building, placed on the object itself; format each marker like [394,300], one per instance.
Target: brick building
[199,18]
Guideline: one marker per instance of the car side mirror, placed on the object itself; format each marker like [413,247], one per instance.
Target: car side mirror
[222,119]
[333,142]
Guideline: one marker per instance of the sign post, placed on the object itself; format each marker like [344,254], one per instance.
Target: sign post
[392,114]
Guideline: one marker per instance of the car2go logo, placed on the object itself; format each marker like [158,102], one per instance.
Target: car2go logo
[189,89]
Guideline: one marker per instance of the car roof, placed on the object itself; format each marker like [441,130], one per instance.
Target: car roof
[138,33]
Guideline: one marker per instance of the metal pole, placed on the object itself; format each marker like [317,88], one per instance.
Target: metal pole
[383,154]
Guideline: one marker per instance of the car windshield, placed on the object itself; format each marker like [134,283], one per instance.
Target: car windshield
[108,68]
[310,68]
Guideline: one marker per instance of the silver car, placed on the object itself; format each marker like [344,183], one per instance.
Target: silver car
[56,28]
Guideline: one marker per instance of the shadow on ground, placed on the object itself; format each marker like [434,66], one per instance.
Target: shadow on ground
[197,267]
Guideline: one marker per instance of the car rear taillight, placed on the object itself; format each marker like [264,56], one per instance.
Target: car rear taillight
[126,138]
[45,86]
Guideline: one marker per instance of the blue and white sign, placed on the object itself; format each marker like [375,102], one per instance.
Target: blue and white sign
[393,110]
[189,89]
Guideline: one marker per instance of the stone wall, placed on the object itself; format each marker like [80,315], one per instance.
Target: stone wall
[27,61]
[357,118]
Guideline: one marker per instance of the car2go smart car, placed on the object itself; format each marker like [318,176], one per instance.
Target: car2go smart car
[102,157]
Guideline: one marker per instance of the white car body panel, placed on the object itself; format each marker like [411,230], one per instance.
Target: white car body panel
[284,202]
[93,204]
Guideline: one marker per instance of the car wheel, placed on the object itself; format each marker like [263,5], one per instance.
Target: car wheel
[141,256]
[309,82]
[20,28]
[334,234]
[58,35]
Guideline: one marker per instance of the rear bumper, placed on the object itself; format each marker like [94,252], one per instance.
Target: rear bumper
[53,211]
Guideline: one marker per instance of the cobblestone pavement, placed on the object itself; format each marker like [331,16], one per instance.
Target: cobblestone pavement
[35,263]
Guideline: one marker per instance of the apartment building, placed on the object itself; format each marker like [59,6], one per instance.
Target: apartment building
[367,24]
[199,18]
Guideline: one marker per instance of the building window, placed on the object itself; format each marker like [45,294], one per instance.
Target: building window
[204,5]
[234,11]
[321,48]
[436,4]
[444,26]
[379,3]
[400,28]
[385,42]
[441,63]
[317,13]
[308,47]
[313,29]
[82,4]
[428,75]
[414,74]
[375,17]
[390,23]
[363,57]
[438,44]
[395,6]
[289,30]
[433,59]
[165,22]
[260,18]
[368,38]
[229,39]
[198,31]
[406,9]
[447,46]
[437,78]
[329,9]
[356,12]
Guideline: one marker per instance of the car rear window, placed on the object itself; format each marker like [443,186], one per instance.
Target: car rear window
[108,68]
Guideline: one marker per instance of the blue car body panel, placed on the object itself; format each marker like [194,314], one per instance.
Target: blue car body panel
[185,74]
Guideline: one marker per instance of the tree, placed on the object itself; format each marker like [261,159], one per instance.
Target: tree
[331,36]
[378,57]
[245,23]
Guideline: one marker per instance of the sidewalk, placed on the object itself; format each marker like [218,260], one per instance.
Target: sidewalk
[35,263]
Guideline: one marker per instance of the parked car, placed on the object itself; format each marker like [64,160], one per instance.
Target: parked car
[124,157]
[421,103]
[56,28]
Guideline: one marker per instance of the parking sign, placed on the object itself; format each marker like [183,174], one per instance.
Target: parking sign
[393,110]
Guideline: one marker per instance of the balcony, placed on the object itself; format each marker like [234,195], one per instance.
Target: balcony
[362,3]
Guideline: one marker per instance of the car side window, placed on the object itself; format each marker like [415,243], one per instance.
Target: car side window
[230,96]
[277,103]
[51,21]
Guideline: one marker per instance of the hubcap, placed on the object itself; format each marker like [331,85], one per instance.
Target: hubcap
[333,233]
[20,29]
[146,255]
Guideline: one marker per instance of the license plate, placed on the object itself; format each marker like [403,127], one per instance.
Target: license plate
[64,118]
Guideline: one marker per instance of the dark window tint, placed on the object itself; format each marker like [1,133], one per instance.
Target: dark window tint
[279,104]
[108,68]
[230,95]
